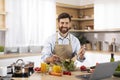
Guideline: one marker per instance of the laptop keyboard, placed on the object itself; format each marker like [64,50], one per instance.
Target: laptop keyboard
[84,77]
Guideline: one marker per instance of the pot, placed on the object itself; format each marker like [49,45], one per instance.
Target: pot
[20,69]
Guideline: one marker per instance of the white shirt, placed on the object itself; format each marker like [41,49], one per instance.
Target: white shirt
[50,44]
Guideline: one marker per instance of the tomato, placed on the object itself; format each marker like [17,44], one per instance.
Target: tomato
[37,69]
[83,68]
[69,73]
[66,72]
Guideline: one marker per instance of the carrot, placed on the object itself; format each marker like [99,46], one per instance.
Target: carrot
[55,74]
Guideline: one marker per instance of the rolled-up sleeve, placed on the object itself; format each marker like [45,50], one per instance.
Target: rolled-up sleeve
[47,48]
[46,52]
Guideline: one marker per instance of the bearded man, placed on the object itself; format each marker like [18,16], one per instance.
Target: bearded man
[62,45]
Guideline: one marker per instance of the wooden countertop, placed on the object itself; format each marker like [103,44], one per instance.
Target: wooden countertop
[38,76]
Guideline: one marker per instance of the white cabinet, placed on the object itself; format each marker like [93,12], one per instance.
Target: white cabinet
[106,14]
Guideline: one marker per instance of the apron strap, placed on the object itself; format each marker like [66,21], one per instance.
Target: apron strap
[69,40]
[56,38]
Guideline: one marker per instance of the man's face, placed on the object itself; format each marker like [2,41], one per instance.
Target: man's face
[64,25]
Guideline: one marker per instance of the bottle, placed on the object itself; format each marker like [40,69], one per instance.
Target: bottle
[112,58]
[113,45]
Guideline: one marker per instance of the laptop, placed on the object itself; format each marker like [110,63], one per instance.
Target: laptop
[102,71]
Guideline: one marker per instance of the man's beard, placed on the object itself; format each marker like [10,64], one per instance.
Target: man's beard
[64,29]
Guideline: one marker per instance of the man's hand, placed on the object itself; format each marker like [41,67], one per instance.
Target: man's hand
[52,59]
[81,52]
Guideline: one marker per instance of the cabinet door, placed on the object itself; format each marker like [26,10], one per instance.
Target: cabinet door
[107,14]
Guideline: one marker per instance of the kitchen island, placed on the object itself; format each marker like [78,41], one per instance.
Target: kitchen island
[39,76]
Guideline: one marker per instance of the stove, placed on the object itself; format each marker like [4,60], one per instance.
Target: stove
[8,77]
[21,75]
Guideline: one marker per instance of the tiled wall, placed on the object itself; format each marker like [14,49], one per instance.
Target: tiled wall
[2,38]
[103,37]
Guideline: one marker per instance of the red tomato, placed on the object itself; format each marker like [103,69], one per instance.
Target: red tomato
[66,72]
[83,68]
[37,69]
[69,73]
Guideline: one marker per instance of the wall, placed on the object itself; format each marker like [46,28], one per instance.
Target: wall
[2,38]
[93,37]
[97,57]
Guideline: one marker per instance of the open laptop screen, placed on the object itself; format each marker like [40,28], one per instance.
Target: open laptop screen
[102,71]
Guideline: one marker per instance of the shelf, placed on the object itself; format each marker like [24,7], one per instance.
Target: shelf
[97,31]
[3,13]
[78,22]
[67,5]
[89,6]
[3,29]
[74,6]
[82,19]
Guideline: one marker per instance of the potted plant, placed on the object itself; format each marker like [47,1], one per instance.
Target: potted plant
[83,40]
[1,49]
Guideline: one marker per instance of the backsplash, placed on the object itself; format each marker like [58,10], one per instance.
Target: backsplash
[2,38]
[92,37]
[105,37]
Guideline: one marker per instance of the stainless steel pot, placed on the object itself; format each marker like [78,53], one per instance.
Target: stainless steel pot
[21,69]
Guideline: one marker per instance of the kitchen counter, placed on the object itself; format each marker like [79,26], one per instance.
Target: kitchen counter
[16,55]
[38,76]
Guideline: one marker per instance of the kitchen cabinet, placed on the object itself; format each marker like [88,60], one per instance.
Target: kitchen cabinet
[82,16]
[86,15]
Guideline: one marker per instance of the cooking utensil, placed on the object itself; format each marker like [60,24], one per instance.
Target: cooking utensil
[20,69]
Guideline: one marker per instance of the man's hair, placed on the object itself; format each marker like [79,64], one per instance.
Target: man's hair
[64,15]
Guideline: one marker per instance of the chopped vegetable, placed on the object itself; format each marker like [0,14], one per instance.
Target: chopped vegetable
[68,65]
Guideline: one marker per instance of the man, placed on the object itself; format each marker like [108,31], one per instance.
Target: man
[62,45]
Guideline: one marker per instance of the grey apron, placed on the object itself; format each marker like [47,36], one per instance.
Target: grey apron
[64,51]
